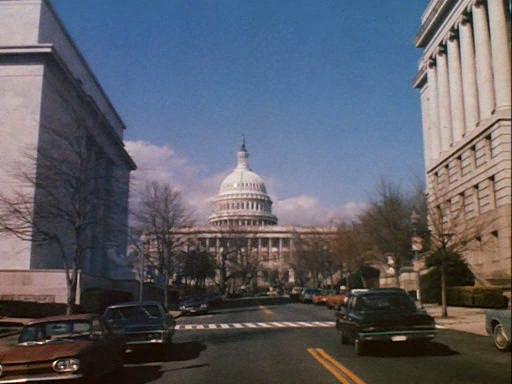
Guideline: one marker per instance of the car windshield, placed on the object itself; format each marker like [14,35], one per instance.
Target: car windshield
[45,332]
[384,302]
[134,313]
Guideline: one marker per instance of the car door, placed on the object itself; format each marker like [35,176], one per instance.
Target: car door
[351,318]
[102,353]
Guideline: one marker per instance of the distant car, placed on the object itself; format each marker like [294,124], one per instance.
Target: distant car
[214,298]
[336,300]
[61,348]
[295,293]
[143,324]
[497,324]
[321,298]
[377,315]
[194,305]
[308,293]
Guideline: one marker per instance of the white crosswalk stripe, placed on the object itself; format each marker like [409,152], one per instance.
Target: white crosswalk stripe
[267,325]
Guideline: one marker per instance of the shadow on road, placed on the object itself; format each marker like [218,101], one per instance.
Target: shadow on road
[222,312]
[410,350]
[175,352]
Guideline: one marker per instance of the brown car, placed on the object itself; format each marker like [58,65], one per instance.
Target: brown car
[335,301]
[77,348]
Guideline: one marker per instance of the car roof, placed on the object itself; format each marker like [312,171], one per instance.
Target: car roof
[134,304]
[82,317]
[359,292]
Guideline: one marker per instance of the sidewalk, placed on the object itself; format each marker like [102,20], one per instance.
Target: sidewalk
[463,319]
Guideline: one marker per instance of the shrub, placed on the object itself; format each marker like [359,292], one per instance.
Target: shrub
[482,297]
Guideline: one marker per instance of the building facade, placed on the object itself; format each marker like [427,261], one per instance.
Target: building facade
[464,80]
[46,86]
[242,221]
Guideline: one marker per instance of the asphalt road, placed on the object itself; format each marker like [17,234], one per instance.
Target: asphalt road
[297,343]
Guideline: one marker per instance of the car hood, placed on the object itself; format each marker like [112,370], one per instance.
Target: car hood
[20,354]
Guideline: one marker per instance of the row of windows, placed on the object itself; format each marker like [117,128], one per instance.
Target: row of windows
[254,223]
[251,205]
[443,173]
[245,243]
[253,186]
[470,198]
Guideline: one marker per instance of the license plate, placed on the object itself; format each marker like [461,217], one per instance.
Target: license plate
[398,338]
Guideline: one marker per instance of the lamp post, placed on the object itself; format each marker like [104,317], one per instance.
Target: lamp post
[444,255]
[141,271]
[416,246]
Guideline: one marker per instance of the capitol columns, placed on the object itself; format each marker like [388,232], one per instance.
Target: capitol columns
[455,80]
[435,140]
[483,60]
[445,115]
[468,67]
[500,46]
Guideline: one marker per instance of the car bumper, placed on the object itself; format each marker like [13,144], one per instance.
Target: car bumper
[42,378]
[397,336]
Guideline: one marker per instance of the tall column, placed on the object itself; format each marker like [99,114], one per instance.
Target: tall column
[500,46]
[483,60]
[467,62]
[427,129]
[445,116]
[434,110]
[279,253]
[455,78]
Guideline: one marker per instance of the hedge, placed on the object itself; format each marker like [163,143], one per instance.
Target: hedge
[482,297]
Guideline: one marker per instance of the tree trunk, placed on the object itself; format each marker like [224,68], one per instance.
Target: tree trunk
[71,285]
[443,292]
[166,289]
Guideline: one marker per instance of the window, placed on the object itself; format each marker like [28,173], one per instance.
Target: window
[472,155]
[492,192]
[476,200]
[447,172]
[488,146]
[458,164]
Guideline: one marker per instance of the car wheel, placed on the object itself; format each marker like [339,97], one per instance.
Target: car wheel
[500,338]
[360,347]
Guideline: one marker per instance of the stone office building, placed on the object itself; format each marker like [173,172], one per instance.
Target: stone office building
[46,83]
[464,80]
[242,217]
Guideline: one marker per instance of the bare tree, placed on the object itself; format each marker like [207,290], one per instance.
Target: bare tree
[55,206]
[348,251]
[386,228]
[452,234]
[158,211]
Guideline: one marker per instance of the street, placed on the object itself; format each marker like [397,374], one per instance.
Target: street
[297,343]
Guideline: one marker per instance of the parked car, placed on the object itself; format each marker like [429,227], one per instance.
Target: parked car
[308,293]
[497,324]
[295,293]
[382,315]
[337,300]
[143,324]
[321,298]
[214,298]
[194,305]
[60,348]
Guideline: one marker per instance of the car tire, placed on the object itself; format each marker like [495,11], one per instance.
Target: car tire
[360,347]
[500,338]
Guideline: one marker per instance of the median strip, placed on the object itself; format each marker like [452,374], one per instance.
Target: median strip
[334,367]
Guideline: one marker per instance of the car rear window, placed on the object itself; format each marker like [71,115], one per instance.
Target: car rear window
[379,302]
[134,312]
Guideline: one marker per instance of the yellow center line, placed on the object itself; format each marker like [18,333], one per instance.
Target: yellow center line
[340,366]
[327,366]
[265,310]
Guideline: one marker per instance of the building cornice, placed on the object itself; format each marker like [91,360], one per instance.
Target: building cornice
[48,51]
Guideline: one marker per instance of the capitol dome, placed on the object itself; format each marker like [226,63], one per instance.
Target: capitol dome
[242,199]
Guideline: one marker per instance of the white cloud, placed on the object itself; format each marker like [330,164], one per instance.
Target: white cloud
[164,164]
[308,210]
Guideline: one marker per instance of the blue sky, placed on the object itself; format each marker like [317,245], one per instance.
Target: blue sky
[321,89]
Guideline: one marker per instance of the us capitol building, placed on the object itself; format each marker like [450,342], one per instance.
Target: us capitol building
[242,217]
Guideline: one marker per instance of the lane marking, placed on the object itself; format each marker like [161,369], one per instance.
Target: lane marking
[328,367]
[440,326]
[266,325]
[340,366]
[338,370]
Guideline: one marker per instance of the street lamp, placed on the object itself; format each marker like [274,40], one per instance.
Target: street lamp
[416,245]
[141,272]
